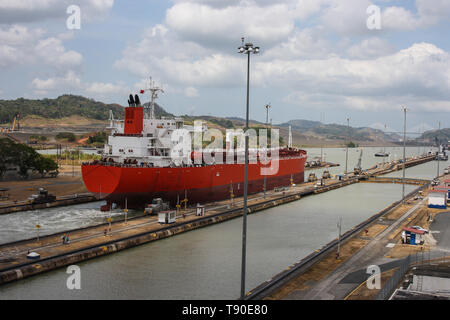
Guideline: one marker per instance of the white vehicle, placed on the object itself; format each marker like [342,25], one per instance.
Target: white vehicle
[420,228]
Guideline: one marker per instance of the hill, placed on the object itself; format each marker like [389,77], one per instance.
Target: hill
[442,135]
[63,107]
[79,114]
[331,132]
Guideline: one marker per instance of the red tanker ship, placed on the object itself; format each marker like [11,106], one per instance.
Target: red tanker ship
[138,164]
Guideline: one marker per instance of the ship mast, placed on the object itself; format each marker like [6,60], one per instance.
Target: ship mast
[150,112]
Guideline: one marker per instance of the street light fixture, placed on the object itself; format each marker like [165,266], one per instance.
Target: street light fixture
[247,49]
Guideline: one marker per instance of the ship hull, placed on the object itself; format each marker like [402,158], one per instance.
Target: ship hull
[137,186]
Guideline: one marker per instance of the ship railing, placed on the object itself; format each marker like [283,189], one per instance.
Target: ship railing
[146,165]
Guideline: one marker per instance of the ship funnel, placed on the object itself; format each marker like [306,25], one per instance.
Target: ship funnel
[136,100]
[131,100]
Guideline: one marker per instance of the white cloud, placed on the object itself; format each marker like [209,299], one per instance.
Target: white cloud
[225,26]
[305,8]
[370,48]
[433,11]
[398,18]
[429,12]
[52,52]
[69,80]
[15,11]
[21,46]
[72,81]
[418,76]
[306,43]
[373,76]
[308,49]
[106,88]
[346,17]
[162,55]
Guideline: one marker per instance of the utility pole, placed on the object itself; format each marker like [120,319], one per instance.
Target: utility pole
[346,149]
[439,149]
[247,49]
[404,154]
[290,138]
[339,225]
[268,106]
[384,148]
[265,164]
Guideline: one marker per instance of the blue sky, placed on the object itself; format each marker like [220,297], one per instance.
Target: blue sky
[317,56]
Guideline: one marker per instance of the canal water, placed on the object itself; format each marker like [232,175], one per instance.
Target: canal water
[205,263]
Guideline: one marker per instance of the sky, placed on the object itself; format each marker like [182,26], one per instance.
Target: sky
[322,60]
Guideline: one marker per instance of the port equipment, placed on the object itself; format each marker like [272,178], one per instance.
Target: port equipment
[42,197]
[358,169]
[156,206]
[185,200]
[312,177]
[167,217]
[16,122]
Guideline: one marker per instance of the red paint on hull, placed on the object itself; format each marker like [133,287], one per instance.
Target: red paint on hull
[202,184]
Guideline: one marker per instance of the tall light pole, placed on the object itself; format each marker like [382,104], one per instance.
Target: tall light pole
[247,49]
[346,150]
[404,153]
[268,106]
[339,225]
[439,149]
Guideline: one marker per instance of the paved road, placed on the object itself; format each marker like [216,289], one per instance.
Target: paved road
[440,230]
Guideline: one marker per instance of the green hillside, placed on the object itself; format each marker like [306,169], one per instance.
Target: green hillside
[443,135]
[63,106]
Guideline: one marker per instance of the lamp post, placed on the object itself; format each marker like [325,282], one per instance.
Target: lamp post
[268,106]
[404,154]
[346,149]
[247,49]
[439,149]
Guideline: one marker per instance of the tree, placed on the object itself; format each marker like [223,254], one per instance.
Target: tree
[45,165]
[24,158]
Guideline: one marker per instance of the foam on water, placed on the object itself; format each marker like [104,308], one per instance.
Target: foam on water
[22,225]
